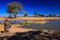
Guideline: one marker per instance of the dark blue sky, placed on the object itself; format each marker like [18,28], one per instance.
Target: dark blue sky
[41,6]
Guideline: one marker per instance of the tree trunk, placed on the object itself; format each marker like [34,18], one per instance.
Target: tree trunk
[15,15]
[10,16]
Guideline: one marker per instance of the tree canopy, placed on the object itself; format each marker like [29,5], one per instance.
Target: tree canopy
[14,7]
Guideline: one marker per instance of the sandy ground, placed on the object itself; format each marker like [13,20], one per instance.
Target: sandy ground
[1,27]
[14,28]
[32,18]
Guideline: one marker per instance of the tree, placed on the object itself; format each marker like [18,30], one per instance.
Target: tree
[41,15]
[14,7]
[54,15]
[51,15]
[25,14]
[35,14]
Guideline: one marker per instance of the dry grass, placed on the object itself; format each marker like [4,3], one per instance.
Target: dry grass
[31,18]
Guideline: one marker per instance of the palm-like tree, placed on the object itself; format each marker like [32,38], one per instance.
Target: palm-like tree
[14,7]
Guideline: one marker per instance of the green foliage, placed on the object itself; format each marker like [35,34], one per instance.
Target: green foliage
[13,8]
[25,15]
[51,15]
[35,14]
[41,15]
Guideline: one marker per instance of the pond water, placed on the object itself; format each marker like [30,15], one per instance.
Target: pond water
[50,25]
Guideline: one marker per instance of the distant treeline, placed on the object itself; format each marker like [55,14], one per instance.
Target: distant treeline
[36,14]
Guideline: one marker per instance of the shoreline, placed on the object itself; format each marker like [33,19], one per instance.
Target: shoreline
[15,28]
[31,18]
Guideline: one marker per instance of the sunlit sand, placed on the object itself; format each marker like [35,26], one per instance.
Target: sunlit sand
[14,28]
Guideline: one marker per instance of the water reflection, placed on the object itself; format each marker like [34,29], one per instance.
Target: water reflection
[47,24]
[35,21]
[38,22]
